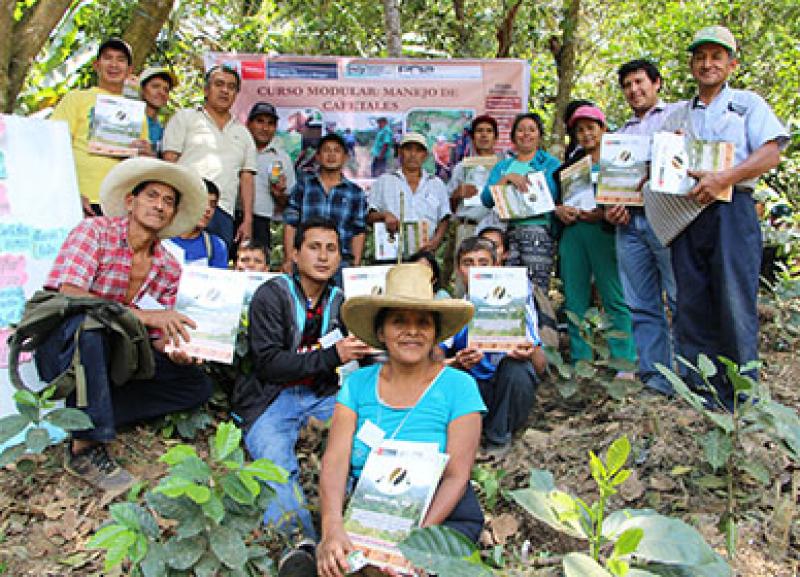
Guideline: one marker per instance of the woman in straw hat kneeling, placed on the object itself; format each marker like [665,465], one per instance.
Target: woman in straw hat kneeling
[412,397]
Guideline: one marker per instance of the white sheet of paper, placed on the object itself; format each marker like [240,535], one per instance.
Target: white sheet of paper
[370,434]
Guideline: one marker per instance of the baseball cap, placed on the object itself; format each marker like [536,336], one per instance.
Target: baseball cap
[714,35]
[117,44]
[415,137]
[154,71]
[332,137]
[260,108]
[590,112]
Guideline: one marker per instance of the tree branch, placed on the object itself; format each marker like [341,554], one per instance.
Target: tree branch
[147,20]
[505,31]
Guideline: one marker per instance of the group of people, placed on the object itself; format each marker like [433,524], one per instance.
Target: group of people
[419,380]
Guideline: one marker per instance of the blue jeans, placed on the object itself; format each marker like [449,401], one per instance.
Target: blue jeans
[645,269]
[717,261]
[221,224]
[273,436]
[173,387]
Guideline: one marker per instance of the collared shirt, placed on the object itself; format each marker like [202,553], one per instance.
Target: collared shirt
[650,122]
[77,109]
[384,137]
[218,155]
[264,203]
[344,204]
[475,212]
[738,116]
[430,202]
[96,257]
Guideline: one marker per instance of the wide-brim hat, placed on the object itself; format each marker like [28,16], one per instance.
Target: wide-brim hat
[128,174]
[408,286]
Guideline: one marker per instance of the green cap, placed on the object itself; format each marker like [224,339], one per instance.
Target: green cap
[715,35]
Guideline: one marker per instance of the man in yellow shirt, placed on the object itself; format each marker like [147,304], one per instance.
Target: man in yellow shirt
[113,65]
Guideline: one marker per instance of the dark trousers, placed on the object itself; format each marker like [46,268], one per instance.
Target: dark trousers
[172,388]
[716,262]
[509,396]
[467,516]
[261,233]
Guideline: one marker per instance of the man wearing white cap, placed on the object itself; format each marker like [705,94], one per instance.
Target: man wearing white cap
[716,245]
[410,195]
[119,257]
[155,84]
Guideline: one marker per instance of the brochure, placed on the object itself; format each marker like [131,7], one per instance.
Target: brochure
[385,242]
[364,280]
[116,122]
[213,299]
[576,185]
[513,203]
[623,169]
[476,173]
[415,235]
[253,280]
[391,498]
[675,154]
[500,296]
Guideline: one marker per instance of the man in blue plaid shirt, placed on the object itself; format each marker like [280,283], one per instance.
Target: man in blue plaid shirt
[329,195]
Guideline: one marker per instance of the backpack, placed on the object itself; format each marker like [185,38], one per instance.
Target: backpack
[130,353]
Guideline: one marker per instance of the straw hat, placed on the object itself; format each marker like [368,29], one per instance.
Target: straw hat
[408,286]
[128,174]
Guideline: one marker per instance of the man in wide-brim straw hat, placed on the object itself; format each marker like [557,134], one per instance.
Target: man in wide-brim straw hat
[412,397]
[119,257]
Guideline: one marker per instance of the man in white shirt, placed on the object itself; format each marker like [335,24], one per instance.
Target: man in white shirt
[411,195]
[275,176]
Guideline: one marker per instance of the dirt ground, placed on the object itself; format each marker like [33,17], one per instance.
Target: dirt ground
[46,516]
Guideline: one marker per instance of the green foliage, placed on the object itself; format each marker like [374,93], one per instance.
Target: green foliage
[35,409]
[488,480]
[443,551]
[623,543]
[186,423]
[753,412]
[217,506]
[596,330]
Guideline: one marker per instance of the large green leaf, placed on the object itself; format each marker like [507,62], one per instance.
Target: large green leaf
[192,468]
[208,566]
[126,514]
[214,509]
[69,419]
[183,553]
[228,546]
[581,565]
[236,489]
[154,563]
[116,540]
[443,551]
[617,455]
[178,454]
[628,541]
[226,440]
[37,439]
[541,505]
[12,425]
[11,454]
[266,470]
[717,448]
[171,508]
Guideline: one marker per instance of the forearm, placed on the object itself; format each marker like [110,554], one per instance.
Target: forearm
[288,240]
[762,160]
[447,496]
[357,247]
[374,216]
[332,488]
[441,230]
[275,364]
[246,190]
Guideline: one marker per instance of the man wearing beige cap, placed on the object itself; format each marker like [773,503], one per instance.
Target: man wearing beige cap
[716,245]
[410,195]
[155,84]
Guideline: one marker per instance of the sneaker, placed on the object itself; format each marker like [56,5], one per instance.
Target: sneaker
[297,563]
[96,467]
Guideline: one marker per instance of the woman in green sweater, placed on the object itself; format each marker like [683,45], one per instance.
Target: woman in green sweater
[587,250]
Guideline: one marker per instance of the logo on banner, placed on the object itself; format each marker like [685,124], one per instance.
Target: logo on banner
[254,70]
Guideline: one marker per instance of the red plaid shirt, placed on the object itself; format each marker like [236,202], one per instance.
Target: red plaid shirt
[96,257]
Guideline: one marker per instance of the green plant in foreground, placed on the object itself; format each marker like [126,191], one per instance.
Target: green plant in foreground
[34,410]
[443,551]
[753,412]
[596,330]
[186,423]
[627,542]
[488,480]
[217,507]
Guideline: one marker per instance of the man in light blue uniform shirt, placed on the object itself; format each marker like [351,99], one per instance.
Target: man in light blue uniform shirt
[716,258]
[645,268]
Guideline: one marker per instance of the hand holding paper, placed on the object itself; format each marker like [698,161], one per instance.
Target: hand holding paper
[711,185]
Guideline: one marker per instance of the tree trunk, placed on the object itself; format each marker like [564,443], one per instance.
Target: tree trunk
[146,22]
[21,41]
[391,16]
[461,29]
[563,50]
[505,31]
